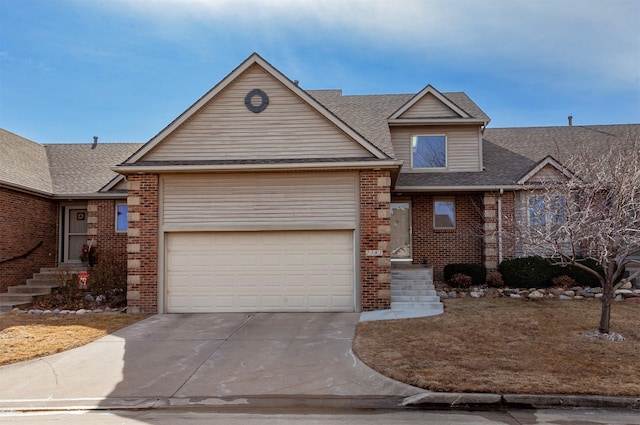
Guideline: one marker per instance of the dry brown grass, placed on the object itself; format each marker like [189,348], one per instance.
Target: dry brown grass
[28,336]
[508,346]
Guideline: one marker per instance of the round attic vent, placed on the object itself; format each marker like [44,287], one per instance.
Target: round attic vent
[256,100]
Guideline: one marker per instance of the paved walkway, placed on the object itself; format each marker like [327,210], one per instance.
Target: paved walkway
[184,359]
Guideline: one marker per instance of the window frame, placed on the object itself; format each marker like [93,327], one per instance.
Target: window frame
[549,220]
[414,140]
[115,226]
[451,199]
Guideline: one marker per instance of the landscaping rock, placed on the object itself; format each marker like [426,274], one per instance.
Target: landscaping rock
[474,294]
[89,298]
[81,311]
[515,296]
[626,285]
[442,294]
[570,293]
[536,294]
[565,297]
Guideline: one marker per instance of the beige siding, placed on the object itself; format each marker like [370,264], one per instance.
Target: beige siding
[546,174]
[225,129]
[429,107]
[463,145]
[260,201]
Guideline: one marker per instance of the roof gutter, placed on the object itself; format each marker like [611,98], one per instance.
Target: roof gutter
[94,195]
[427,121]
[455,188]
[25,189]
[350,165]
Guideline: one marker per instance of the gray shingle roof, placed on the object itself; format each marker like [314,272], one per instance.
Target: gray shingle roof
[368,114]
[23,163]
[76,168]
[509,153]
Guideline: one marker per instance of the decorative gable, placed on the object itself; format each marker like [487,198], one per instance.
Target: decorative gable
[430,106]
[547,170]
[256,114]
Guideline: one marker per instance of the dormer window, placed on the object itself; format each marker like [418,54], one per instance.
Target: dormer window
[429,151]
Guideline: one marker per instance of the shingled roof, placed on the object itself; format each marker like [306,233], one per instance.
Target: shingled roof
[59,169]
[368,114]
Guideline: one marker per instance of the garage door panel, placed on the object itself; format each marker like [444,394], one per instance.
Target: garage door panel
[260,271]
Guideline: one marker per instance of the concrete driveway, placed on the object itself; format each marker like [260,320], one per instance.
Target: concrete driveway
[211,359]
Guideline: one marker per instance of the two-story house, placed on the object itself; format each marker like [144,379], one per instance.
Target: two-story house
[265,197]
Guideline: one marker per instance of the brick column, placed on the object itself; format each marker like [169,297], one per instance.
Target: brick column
[92,221]
[375,235]
[142,244]
[490,236]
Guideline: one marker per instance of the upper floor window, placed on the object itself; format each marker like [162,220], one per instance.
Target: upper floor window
[121,217]
[429,151]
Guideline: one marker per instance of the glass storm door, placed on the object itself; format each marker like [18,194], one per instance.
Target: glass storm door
[401,231]
[75,227]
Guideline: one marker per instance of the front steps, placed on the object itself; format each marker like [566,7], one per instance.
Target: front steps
[40,284]
[412,295]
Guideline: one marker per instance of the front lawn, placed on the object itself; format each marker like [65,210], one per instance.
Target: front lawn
[503,345]
[28,336]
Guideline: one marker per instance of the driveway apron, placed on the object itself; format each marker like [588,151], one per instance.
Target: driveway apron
[186,356]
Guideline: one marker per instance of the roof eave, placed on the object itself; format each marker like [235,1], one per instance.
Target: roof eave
[158,169]
[461,188]
[435,121]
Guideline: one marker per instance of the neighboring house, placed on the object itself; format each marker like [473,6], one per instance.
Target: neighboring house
[265,197]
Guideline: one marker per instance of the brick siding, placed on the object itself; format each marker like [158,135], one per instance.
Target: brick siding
[101,228]
[25,220]
[441,247]
[375,234]
[142,244]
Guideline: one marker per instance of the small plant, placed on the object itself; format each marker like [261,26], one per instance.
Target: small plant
[460,281]
[89,253]
[108,281]
[494,279]
[564,281]
[477,272]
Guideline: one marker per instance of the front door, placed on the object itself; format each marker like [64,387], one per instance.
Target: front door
[75,233]
[401,231]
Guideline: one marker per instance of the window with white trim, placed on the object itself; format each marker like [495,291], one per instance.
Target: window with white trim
[444,213]
[429,151]
[122,224]
[547,212]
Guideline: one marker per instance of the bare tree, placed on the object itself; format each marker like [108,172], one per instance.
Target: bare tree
[592,212]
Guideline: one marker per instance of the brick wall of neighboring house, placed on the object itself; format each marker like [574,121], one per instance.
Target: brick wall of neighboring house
[101,227]
[375,235]
[441,247]
[142,244]
[25,221]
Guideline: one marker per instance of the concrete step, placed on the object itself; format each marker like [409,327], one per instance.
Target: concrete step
[21,297]
[420,293]
[6,306]
[30,289]
[436,306]
[410,285]
[415,298]
[43,282]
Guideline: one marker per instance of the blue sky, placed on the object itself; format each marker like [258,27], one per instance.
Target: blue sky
[123,69]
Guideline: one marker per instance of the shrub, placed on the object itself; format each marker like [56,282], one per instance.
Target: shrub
[563,281]
[538,272]
[494,279]
[477,272]
[108,279]
[527,272]
[460,281]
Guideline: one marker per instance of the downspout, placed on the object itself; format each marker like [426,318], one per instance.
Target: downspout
[500,226]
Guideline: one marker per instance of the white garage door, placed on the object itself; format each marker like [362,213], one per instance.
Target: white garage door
[260,271]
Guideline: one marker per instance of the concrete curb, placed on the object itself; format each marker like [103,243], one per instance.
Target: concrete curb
[521,401]
[427,401]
